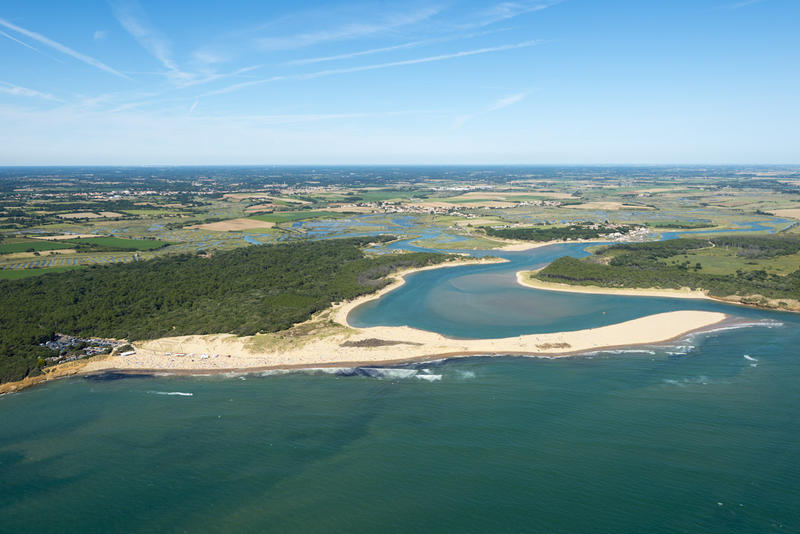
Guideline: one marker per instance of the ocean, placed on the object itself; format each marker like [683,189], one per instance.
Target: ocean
[700,434]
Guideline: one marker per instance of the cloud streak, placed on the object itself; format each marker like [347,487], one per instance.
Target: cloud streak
[364,68]
[507,101]
[23,43]
[345,32]
[359,53]
[16,90]
[497,105]
[135,22]
[509,10]
[403,46]
[63,49]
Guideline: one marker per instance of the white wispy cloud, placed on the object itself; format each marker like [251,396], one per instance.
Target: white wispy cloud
[508,10]
[23,43]
[208,57]
[99,35]
[402,46]
[496,105]
[363,68]
[135,21]
[26,45]
[194,106]
[347,31]
[507,101]
[359,53]
[16,90]
[62,48]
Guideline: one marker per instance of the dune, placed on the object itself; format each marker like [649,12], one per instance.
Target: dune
[329,340]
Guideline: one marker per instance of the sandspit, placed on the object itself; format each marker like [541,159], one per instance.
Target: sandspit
[328,340]
[344,346]
[524,278]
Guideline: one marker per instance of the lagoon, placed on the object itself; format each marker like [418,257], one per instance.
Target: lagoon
[696,435]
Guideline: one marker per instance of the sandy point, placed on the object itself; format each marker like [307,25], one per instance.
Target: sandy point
[524,278]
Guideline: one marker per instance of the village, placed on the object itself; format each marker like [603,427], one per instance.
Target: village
[70,348]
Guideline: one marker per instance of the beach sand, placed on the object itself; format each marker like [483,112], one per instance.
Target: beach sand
[523,278]
[329,340]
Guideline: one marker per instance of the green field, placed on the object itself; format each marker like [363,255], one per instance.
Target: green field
[26,245]
[120,243]
[293,216]
[720,261]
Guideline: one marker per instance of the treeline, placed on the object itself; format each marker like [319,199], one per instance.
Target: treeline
[644,265]
[760,247]
[554,233]
[243,291]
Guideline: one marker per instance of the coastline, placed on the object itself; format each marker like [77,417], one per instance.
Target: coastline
[328,340]
[340,310]
[346,346]
[399,361]
[683,293]
[746,301]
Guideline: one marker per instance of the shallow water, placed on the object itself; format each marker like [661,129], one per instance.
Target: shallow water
[696,435]
[485,301]
[634,442]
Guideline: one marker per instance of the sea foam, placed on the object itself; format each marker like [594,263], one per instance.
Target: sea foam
[430,378]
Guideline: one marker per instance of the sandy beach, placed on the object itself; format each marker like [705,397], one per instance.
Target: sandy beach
[329,340]
[344,346]
[524,279]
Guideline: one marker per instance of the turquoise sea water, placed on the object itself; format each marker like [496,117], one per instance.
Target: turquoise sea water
[696,435]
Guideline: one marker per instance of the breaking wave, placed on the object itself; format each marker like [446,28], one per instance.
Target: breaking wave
[700,380]
[384,373]
[172,393]
[430,378]
[763,324]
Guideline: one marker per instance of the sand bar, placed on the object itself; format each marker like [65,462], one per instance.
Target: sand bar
[523,278]
[343,346]
[329,340]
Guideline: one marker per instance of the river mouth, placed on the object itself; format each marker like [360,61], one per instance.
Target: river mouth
[486,301]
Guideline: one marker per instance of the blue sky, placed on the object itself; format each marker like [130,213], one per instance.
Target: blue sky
[466,82]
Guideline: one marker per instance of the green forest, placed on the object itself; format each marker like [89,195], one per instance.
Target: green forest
[555,233]
[665,264]
[243,291]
